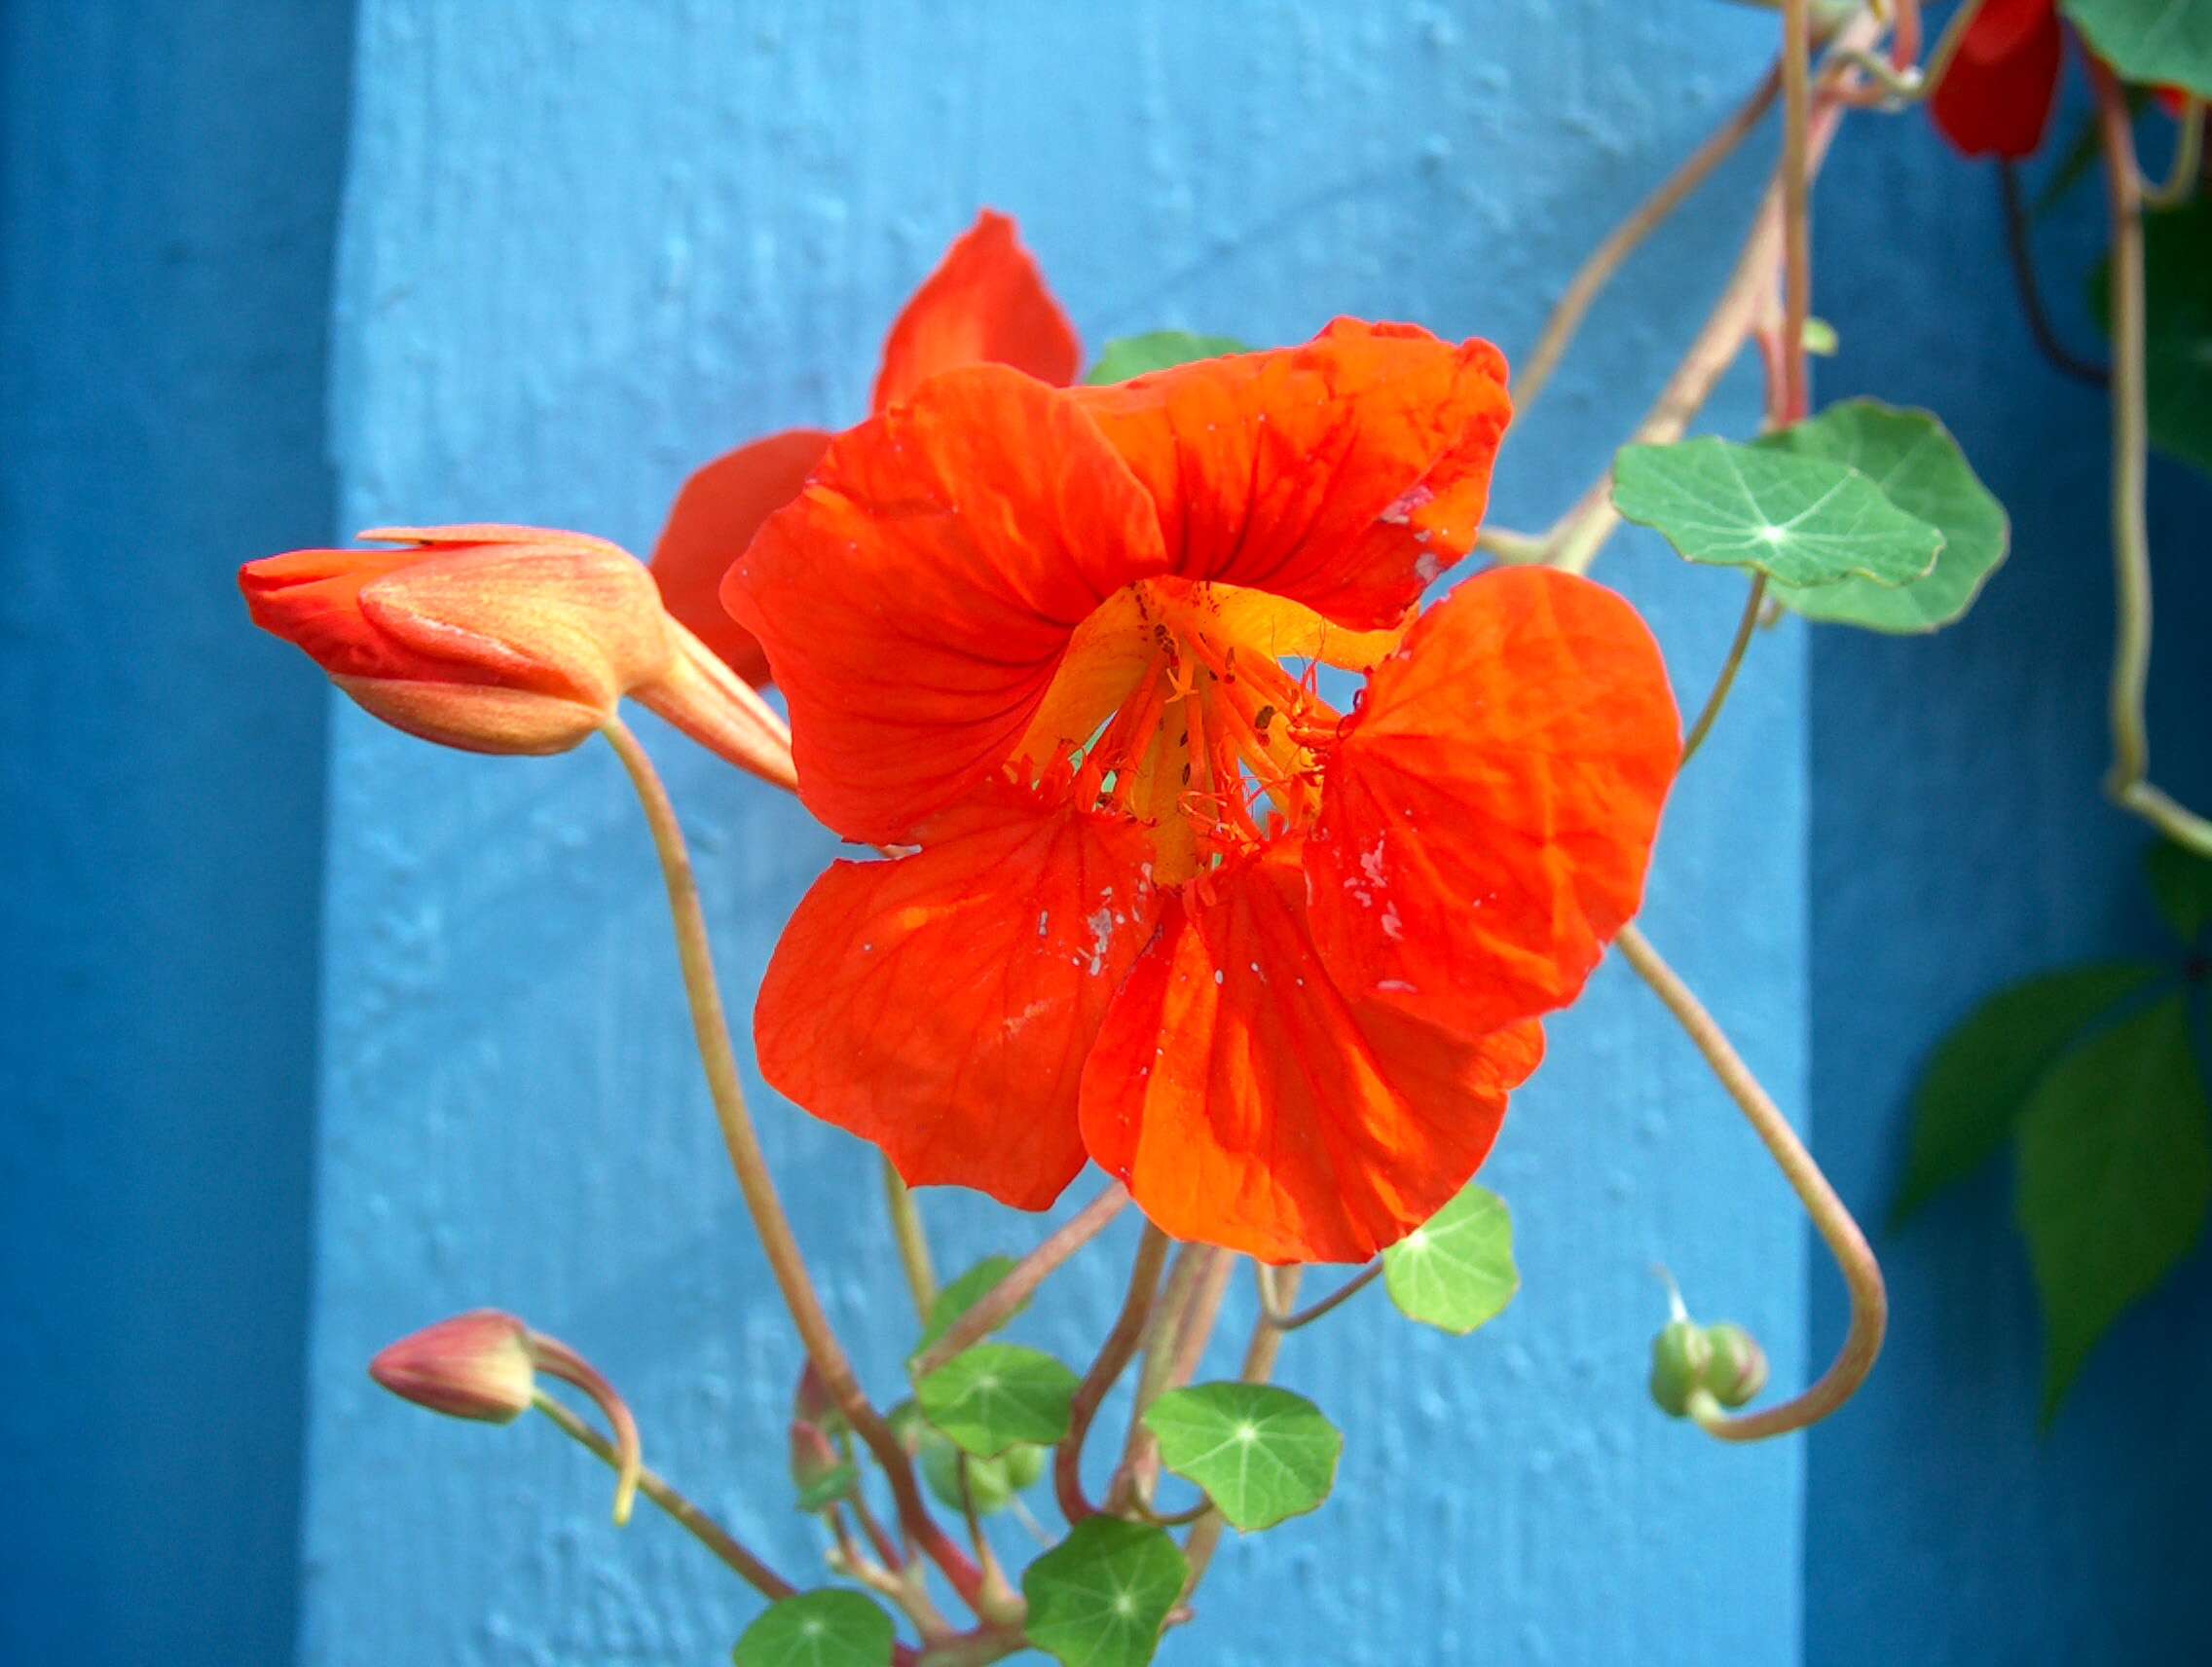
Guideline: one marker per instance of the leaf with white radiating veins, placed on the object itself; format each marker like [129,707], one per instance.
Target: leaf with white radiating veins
[1457,1272]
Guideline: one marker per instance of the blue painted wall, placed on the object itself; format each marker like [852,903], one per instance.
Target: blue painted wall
[168,185]
[1958,806]
[589,244]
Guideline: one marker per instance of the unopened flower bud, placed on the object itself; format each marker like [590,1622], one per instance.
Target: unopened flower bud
[990,1488]
[1737,1371]
[1680,1354]
[484,1365]
[822,1474]
[813,1403]
[474,1365]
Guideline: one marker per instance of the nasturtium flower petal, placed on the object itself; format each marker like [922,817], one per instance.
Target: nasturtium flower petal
[1344,474]
[986,302]
[715,515]
[1996,96]
[941,1004]
[1248,1101]
[1488,812]
[919,596]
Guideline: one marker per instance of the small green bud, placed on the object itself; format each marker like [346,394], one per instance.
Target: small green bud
[822,1474]
[987,1482]
[1738,1369]
[1680,1354]
[1024,1465]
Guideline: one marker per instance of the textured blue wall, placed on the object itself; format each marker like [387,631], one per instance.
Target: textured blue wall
[588,244]
[1958,806]
[169,186]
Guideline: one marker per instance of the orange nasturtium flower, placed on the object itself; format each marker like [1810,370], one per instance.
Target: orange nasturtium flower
[1273,966]
[506,639]
[985,302]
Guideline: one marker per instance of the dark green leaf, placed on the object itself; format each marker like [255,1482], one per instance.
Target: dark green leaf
[2155,43]
[1801,519]
[1262,1454]
[828,1628]
[1979,1081]
[963,1294]
[2182,882]
[1162,350]
[2177,327]
[1100,1598]
[1455,1271]
[1919,467]
[995,1394]
[2116,1171]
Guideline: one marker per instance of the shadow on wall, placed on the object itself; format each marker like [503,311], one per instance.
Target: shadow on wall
[1960,842]
[166,218]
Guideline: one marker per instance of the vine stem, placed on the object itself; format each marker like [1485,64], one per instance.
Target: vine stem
[1577,537]
[1796,203]
[1023,1280]
[912,1241]
[1114,1357]
[1276,1313]
[1607,258]
[2189,156]
[1260,1355]
[711,1027]
[2127,782]
[1726,681]
[1862,1274]
[2019,245]
[693,1520]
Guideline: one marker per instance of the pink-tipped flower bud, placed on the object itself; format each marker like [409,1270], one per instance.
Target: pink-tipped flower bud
[484,1365]
[812,1403]
[822,1474]
[474,1365]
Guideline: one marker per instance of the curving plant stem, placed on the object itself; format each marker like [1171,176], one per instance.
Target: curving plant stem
[1862,1274]
[1796,203]
[1023,1280]
[1114,1357]
[1607,258]
[1729,667]
[693,1520]
[1276,1313]
[2127,783]
[711,1027]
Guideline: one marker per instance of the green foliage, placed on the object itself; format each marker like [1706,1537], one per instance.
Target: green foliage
[1796,517]
[1912,459]
[2177,328]
[1983,1074]
[2116,1172]
[829,1628]
[1456,1271]
[996,1395]
[963,1294]
[1681,1356]
[2181,881]
[2156,42]
[1160,349]
[1100,1598]
[1263,1454]
[819,1493]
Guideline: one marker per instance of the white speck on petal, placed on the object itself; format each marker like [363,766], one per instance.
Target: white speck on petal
[1396,987]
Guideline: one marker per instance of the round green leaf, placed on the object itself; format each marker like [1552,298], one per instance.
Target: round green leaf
[2116,1173]
[1978,1082]
[1801,519]
[996,1395]
[1919,467]
[2156,42]
[1100,1598]
[1263,1455]
[818,1629]
[1456,1271]
[963,1294]
[1162,350]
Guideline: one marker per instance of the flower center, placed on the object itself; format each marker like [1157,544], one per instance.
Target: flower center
[1199,731]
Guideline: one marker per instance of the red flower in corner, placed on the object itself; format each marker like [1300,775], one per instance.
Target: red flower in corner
[1996,97]
[985,302]
[1273,966]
